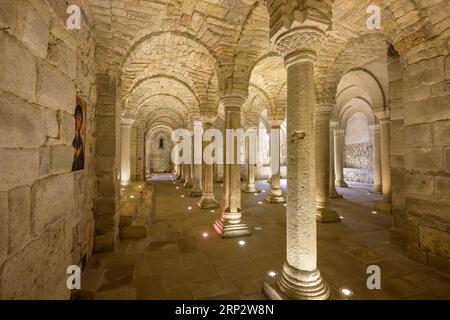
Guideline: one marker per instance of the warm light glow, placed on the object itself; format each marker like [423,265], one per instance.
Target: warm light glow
[255,194]
[123,189]
[212,211]
[205,234]
[177,188]
[285,204]
[271,274]
[346,292]
[259,202]
[374,212]
[182,195]
[189,208]
[341,217]
[242,242]
[264,191]
[132,197]
[140,186]
[258,228]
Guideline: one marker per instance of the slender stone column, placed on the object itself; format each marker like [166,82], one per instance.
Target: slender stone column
[276,194]
[251,167]
[182,174]
[339,141]
[333,193]
[125,151]
[385,167]
[323,211]
[187,176]
[230,224]
[300,278]
[207,201]
[376,159]
[196,190]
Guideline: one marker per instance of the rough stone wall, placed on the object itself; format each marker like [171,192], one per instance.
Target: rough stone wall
[137,152]
[46,219]
[358,162]
[420,150]
[160,158]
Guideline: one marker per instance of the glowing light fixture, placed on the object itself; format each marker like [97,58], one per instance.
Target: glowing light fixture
[205,235]
[177,188]
[341,217]
[374,212]
[212,211]
[132,197]
[258,228]
[242,243]
[346,292]
[271,274]
[182,195]
[189,208]
[259,202]
[285,204]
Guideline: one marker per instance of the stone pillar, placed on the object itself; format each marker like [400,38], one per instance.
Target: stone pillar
[196,190]
[187,176]
[333,193]
[375,130]
[207,201]
[230,224]
[339,141]
[276,194]
[125,152]
[300,278]
[182,174]
[385,205]
[251,167]
[323,211]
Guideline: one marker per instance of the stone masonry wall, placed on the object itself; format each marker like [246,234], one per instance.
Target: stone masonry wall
[358,162]
[420,150]
[46,219]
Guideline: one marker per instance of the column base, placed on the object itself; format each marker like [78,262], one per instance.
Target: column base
[306,285]
[272,198]
[208,203]
[187,184]
[335,195]
[326,215]
[125,182]
[250,188]
[195,193]
[229,230]
[384,206]
[341,183]
[376,188]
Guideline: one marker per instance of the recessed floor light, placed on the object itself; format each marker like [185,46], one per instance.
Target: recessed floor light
[182,195]
[177,188]
[346,292]
[132,197]
[285,204]
[258,228]
[259,202]
[189,208]
[212,211]
[264,191]
[374,212]
[255,194]
[242,243]
[271,274]
[205,235]
[341,217]
[122,189]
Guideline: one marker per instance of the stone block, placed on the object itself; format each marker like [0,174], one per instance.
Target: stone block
[8,14]
[106,146]
[51,198]
[32,30]
[44,161]
[105,125]
[54,89]
[18,167]
[428,110]
[61,158]
[447,159]
[419,184]
[19,219]
[425,72]
[425,159]
[441,132]
[438,262]
[53,123]
[104,206]
[63,57]
[67,128]
[435,241]
[35,271]
[443,187]
[418,135]
[105,224]
[104,242]
[104,164]
[18,70]
[21,125]
[4,225]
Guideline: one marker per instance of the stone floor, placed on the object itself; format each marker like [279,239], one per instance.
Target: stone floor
[183,258]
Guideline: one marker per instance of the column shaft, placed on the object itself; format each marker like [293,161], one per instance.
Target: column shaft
[377,180]
[385,167]
[324,212]
[276,194]
[251,167]
[125,154]
[207,201]
[333,193]
[339,140]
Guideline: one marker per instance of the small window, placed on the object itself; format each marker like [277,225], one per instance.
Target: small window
[161,143]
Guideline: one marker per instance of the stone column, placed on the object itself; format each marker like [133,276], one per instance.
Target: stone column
[300,278]
[182,174]
[125,151]
[251,167]
[323,211]
[207,201]
[276,194]
[375,130]
[187,176]
[333,193]
[385,167]
[230,224]
[339,141]
[196,190]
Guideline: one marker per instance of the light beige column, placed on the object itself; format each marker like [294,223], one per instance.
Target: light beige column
[333,193]
[230,224]
[187,176]
[125,151]
[323,211]
[276,194]
[375,130]
[251,167]
[207,201]
[385,205]
[339,141]
[300,278]
[196,190]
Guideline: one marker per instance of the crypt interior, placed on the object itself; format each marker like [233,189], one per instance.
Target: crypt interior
[86,138]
